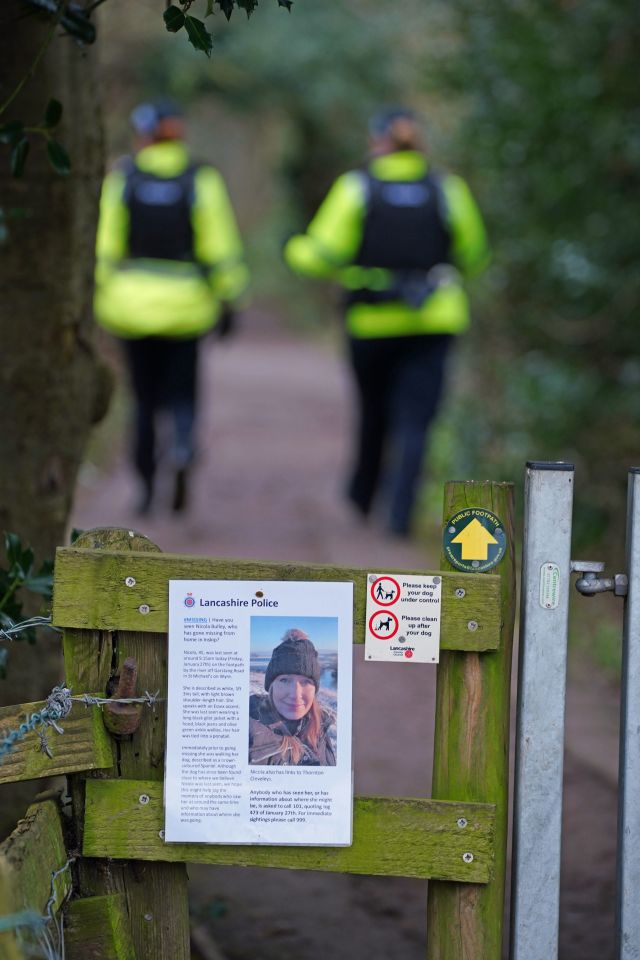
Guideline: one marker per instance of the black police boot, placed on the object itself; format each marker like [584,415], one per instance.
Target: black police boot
[146,497]
[180,490]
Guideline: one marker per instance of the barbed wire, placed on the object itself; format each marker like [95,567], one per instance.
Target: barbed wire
[8,633]
[150,699]
[47,928]
[58,706]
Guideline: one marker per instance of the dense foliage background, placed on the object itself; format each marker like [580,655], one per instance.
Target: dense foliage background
[537,105]
[551,130]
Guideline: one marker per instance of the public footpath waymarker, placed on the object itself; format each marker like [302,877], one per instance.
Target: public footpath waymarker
[474,540]
[403,618]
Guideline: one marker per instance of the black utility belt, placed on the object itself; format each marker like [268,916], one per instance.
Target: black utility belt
[411,288]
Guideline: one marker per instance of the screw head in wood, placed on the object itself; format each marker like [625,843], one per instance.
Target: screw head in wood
[462,823]
[472,626]
[130,581]
[467,857]
[143,799]
[144,608]
[460,593]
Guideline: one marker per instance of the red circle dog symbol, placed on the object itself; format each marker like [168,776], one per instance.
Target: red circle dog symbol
[383,624]
[385,591]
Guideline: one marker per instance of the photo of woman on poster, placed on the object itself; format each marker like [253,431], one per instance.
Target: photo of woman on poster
[290,722]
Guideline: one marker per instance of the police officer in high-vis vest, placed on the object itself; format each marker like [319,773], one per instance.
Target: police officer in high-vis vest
[169,268]
[399,237]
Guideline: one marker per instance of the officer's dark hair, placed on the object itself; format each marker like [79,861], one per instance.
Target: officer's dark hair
[399,124]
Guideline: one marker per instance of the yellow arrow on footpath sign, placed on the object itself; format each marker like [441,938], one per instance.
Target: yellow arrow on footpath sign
[475,540]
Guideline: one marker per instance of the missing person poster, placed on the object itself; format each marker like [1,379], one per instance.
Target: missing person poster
[259,713]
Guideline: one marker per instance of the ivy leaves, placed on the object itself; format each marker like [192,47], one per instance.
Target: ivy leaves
[199,36]
[19,152]
[18,136]
[174,19]
[18,572]
[177,17]
[58,156]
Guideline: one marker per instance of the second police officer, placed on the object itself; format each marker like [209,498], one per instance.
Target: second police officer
[169,269]
[399,237]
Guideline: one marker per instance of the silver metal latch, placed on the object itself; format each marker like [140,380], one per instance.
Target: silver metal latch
[589,583]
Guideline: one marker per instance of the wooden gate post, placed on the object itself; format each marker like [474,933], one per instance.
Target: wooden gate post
[471,750]
[156,893]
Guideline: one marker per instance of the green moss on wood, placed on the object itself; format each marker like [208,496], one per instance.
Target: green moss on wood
[90,592]
[471,750]
[97,928]
[9,948]
[29,856]
[90,658]
[84,745]
[391,837]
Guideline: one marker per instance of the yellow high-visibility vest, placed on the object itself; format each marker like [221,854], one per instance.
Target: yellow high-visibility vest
[144,297]
[331,243]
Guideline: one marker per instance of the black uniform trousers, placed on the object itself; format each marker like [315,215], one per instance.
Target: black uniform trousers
[163,375]
[399,383]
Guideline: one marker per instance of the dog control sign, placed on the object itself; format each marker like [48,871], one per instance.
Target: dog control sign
[402,618]
[474,540]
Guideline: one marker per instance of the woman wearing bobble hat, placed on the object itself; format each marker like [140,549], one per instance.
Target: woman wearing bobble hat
[287,724]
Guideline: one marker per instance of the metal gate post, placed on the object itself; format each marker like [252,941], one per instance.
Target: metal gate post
[628,900]
[544,606]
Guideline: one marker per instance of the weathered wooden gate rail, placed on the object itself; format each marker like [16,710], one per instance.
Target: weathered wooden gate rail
[392,837]
[129,896]
[128,591]
[34,851]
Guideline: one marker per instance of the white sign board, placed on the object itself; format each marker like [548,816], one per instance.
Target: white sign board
[259,713]
[403,618]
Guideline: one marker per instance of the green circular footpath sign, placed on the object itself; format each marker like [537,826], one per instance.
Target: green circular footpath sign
[474,540]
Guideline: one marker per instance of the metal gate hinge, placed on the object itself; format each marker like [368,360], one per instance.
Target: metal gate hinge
[590,583]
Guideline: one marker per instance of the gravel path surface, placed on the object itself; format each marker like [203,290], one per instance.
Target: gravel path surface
[274,448]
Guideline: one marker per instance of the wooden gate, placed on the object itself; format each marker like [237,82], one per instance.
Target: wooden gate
[92,865]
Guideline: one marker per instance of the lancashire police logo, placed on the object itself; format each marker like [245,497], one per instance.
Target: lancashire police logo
[189,601]
[474,540]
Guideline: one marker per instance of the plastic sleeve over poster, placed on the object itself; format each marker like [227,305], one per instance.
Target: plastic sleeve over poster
[259,723]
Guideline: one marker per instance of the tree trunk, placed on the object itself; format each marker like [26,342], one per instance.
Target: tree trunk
[51,387]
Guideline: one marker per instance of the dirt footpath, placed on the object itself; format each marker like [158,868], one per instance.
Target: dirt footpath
[274,449]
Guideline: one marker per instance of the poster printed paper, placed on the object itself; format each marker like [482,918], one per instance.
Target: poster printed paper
[403,618]
[259,713]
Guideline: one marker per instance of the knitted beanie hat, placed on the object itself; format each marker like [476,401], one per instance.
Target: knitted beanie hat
[294,654]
